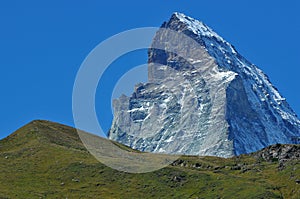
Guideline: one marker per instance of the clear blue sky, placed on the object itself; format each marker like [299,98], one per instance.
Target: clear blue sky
[43,43]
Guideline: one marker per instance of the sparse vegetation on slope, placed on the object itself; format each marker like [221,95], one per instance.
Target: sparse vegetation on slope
[47,160]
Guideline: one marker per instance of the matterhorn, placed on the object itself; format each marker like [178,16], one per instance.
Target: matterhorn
[202,98]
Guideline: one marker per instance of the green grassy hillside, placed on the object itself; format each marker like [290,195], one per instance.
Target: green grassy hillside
[47,160]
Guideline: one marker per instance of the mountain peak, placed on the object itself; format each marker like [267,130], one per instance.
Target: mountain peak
[196,26]
[216,102]
[202,33]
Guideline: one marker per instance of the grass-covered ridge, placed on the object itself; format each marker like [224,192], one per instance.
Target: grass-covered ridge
[47,160]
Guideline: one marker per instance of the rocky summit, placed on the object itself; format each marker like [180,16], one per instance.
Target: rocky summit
[202,98]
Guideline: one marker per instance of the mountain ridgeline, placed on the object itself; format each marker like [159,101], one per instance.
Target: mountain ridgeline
[44,159]
[202,98]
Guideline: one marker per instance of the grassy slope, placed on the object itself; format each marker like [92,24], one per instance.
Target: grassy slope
[47,160]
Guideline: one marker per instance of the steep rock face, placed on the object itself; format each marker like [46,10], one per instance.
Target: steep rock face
[202,98]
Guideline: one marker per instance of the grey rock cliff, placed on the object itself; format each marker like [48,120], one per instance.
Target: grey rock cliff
[202,98]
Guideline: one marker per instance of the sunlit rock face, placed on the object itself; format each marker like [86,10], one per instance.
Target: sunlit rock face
[202,98]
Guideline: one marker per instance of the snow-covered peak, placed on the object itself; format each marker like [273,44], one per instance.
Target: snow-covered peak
[228,58]
[210,37]
[198,27]
[225,105]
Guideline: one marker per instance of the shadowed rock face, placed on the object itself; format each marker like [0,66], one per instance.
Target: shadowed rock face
[202,98]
